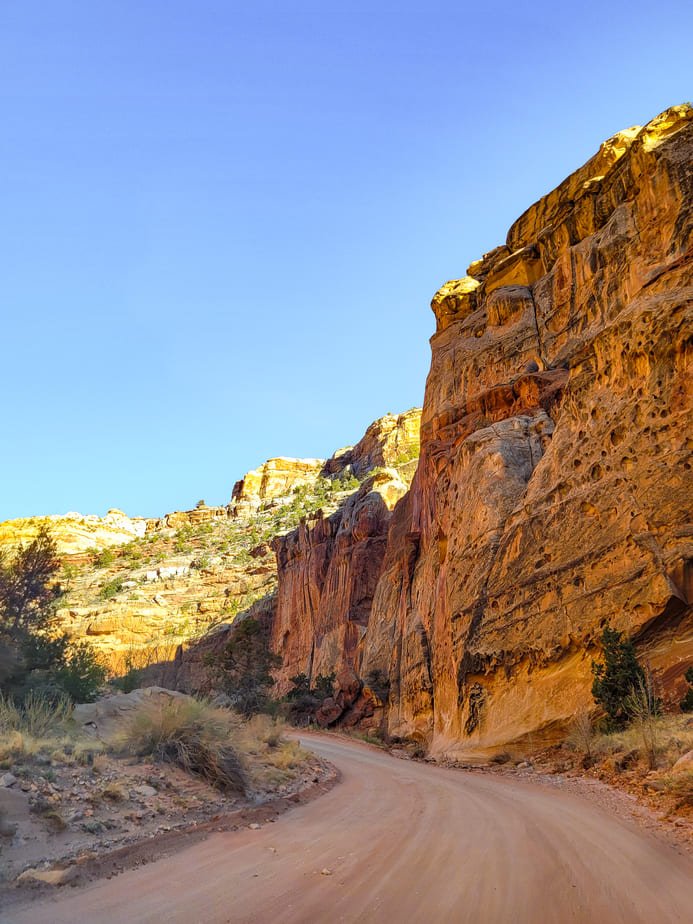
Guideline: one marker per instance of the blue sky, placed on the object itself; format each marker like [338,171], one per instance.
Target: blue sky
[222,223]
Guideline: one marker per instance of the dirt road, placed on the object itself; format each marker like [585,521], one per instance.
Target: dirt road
[400,842]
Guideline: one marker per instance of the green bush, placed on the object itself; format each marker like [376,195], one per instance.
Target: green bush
[378,681]
[104,558]
[245,666]
[110,589]
[305,700]
[616,678]
[81,673]
[35,659]
[686,703]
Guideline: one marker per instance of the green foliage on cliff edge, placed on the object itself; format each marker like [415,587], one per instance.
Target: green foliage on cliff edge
[33,658]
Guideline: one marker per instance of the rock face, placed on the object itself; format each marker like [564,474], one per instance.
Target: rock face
[554,487]
[274,478]
[74,532]
[329,568]
[392,440]
[553,490]
[182,518]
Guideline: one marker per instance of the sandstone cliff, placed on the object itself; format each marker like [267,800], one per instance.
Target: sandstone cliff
[273,479]
[74,532]
[138,589]
[553,489]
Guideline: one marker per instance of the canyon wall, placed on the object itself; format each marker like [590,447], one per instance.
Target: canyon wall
[141,590]
[552,495]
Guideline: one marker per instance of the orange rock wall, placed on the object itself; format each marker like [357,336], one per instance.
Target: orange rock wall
[553,489]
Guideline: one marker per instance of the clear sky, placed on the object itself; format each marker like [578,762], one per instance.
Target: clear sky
[221,223]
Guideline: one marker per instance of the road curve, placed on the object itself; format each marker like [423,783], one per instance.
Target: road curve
[403,842]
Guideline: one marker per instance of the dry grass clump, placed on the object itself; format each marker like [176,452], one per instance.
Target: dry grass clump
[581,736]
[271,758]
[38,725]
[264,730]
[114,792]
[36,716]
[191,734]
[680,786]
[289,756]
[663,740]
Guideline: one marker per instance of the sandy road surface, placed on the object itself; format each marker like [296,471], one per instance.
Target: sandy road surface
[404,842]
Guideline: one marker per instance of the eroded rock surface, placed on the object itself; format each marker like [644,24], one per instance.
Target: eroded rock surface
[273,479]
[553,490]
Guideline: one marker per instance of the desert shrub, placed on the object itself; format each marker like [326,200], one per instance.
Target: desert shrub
[643,707]
[616,677]
[36,715]
[305,700]
[378,681]
[104,558]
[81,673]
[581,735]
[265,729]
[114,792]
[244,668]
[54,665]
[131,680]
[110,589]
[300,686]
[190,734]
[324,685]
[686,703]
[680,786]
[28,585]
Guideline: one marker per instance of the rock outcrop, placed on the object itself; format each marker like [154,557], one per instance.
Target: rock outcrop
[179,519]
[273,479]
[553,491]
[75,533]
[392,440]
[329,568]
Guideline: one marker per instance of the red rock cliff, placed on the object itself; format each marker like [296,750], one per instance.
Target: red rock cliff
[553,490]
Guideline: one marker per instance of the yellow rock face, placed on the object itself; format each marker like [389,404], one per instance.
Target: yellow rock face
[456,299]
[274,478]
[74,532]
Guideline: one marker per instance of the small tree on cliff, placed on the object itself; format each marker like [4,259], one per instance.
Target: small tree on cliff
[617,678]
[246,665]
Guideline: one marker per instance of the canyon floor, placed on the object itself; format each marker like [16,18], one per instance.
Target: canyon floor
[405,841]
